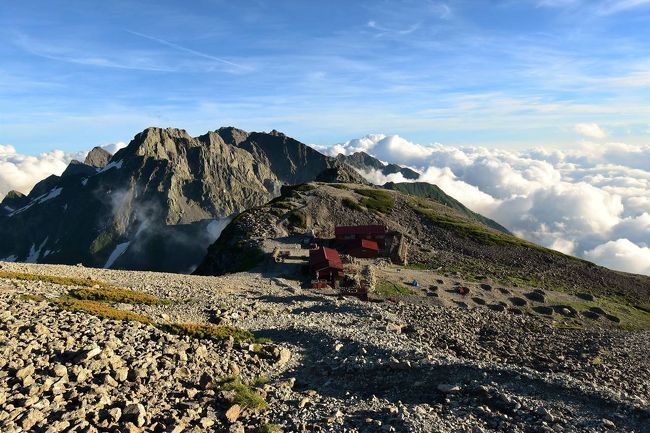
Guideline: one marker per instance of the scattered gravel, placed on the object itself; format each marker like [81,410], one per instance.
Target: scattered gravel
[333,364]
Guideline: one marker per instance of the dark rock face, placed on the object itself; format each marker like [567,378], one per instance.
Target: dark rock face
[12,201]
[363,161]
[44,186]
[76,168]
[290,160]
[97,157]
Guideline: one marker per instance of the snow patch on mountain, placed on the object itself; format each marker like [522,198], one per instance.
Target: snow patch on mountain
[114,164]
[34,253]
[117,252]
[55,192]
[50,195]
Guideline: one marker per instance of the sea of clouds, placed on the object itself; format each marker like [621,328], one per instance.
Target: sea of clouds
[592,203]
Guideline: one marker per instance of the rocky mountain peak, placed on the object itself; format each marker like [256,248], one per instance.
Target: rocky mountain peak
[12,201]
[361,159]
[13,194]
[232,135]
[98,157]
[150,204]
[44,186]
[277,133]
[341,173]
[158,143]
[366,162]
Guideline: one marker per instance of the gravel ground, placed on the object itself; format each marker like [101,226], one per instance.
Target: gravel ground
[333,364]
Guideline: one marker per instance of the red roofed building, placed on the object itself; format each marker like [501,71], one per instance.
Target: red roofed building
[363,248]
[325,264]
[362,241]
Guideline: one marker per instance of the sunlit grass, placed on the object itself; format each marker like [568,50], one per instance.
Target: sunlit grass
[63,281]
[113,294]
[245,395]
[202,330]
[388,288]
[100,309]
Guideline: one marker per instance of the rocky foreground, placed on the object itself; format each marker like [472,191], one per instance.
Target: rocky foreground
[319,363]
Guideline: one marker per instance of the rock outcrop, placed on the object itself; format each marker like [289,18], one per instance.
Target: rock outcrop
[97,157]
[342,173]
[13,200]
[363,161]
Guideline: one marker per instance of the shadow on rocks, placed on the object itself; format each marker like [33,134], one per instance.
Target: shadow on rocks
[367,371]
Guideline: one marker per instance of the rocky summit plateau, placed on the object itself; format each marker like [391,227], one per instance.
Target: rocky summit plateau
[243,282]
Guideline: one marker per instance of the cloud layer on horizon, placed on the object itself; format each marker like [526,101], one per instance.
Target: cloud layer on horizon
[592,203]
[21,172]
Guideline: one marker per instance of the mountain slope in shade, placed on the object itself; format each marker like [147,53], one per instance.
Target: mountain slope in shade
[12,201]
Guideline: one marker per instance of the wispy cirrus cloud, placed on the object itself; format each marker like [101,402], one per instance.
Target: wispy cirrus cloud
[66,53]
[615,6]
[189,50]
[140,59]
[522,77]
[384,30]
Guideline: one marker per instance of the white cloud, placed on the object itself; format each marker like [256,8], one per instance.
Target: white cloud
[623,255]
[591,130]
[21,172]
[572,201]
[112,148]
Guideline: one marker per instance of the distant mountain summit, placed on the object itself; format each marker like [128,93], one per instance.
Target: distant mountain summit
[364,162]
[97,157]
[291,161]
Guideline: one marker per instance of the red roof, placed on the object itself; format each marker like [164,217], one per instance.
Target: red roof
[364,243]
[360,230]
[325,258]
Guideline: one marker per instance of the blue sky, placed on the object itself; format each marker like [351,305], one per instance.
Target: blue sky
[508,74]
